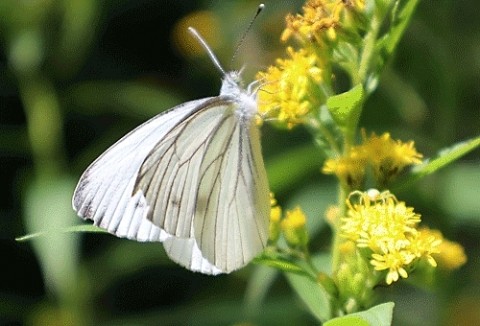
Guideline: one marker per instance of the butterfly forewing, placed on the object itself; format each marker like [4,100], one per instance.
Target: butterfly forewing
[104,193]
[169,176]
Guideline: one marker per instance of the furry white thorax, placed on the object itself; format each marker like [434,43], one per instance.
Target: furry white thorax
[246,99]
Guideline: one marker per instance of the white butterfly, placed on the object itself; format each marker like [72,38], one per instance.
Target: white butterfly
[192,177]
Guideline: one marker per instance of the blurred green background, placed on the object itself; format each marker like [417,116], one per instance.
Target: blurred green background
[75,75]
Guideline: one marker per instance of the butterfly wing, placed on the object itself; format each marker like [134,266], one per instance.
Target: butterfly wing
[186,253]
[233,207]
[206,181]
[105,193]
[169,176]
[154,183]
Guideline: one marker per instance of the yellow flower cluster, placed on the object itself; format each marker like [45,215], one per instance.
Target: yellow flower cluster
[319,18]
[290,89]
[388,228]
[387,158]
[292,226]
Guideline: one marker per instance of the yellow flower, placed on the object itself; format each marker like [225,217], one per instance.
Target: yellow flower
[349,169]
[275,216]
[389,157]
[293,226]
[388,228]
[386,157]
[320,18]
[290,88]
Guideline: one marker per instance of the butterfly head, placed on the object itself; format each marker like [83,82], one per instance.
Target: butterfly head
[232,84]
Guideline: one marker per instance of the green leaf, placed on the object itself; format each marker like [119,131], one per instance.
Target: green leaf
[380,315]
[313,294]
[399,25]
[444,157]
[345,108]
[348,321]
[280,263]
[70,229]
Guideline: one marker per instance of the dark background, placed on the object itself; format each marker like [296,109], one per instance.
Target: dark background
[123,65]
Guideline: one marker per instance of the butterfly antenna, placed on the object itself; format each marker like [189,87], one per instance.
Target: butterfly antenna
[209,51]
[259,10]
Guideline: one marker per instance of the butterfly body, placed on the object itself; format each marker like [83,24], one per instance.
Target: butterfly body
[192,178]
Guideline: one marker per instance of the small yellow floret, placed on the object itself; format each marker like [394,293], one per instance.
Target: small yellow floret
[293,226]
[275,217]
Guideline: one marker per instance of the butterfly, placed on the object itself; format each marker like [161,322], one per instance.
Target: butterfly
[192,178]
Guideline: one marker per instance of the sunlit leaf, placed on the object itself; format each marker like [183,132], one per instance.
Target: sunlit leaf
[346,108]
[380,315]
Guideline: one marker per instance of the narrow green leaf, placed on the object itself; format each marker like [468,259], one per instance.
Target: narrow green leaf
[314,296]
[281,264]
[444,157]
[380,315]
[71,229]
[399,25]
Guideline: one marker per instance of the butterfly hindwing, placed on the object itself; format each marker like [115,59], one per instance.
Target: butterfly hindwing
[231,219]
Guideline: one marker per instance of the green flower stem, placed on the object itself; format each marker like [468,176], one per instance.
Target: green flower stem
[368,51]
[44,123]
[319,131]
[337,239]
[349,134]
